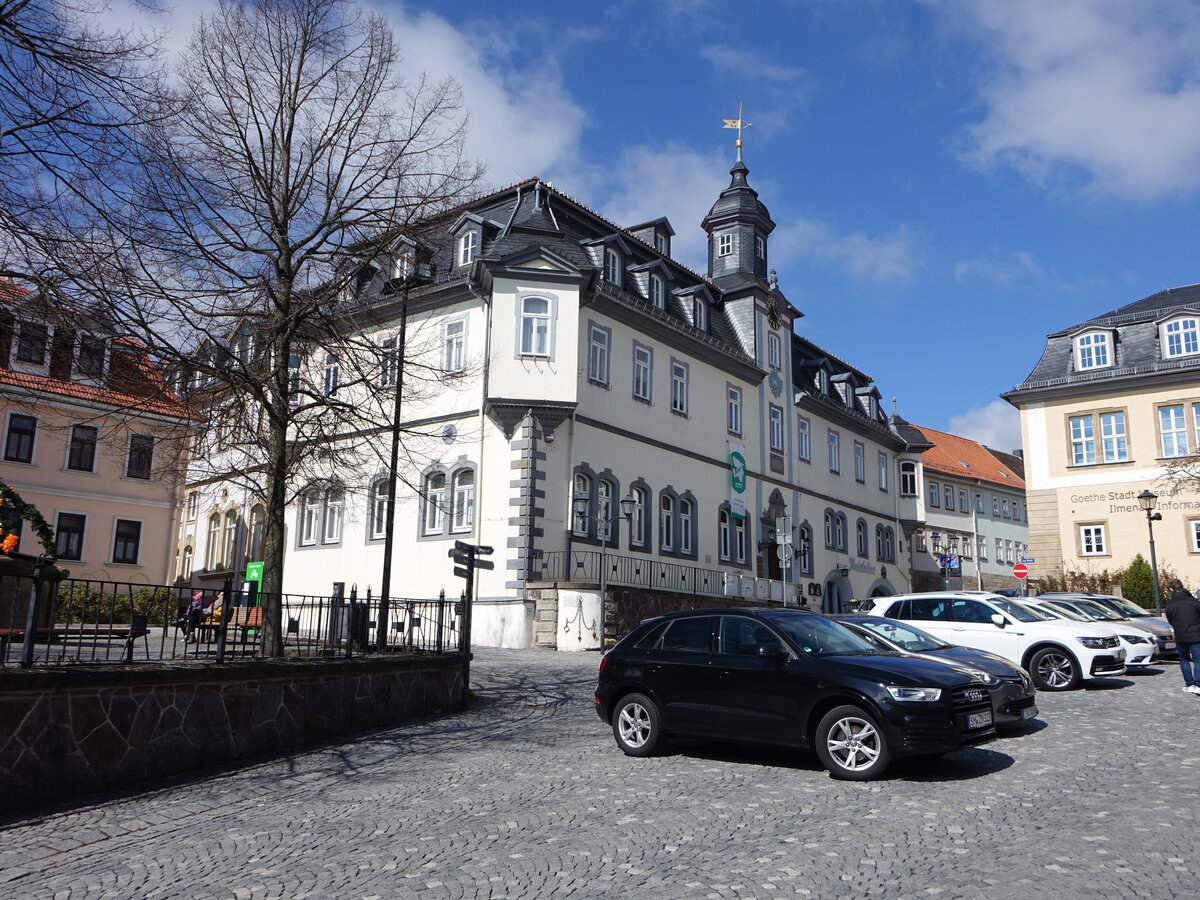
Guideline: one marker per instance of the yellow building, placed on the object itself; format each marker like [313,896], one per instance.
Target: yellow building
[1112,402]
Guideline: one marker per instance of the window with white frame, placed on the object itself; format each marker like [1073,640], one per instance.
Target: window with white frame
[1196,422]
[1083,440]
[535,326]
[949,495]
[803,438]
[725,536]
[1092,540]
[666,522]
[908,478]
[835,452]
[256,539]
[978,502]
[454,346]
[1005,510]
[658,291]
[643,362]
[434,497]
[32,340]
[81,449]
[68,535]
[883,471]
[760,247]
[860,463]
[776,428]
[468,247]
[981,546]
[724,244]
[1173,431]
[860,538]
[1181,337]
[581,504]
[1008,551]
[310,519]
[18,442]
[935,494]
[464,500]
[679,387]
[839,531]
[186,562]
[334,506]
[804,555]
[637,522]
[740,544]
[733,407]
[599,339]
[1092,350]
[1193,532]
[229,539]
[999,550]
[1113,437]
[388,360]
[774,350]
[212,548]
[331,375]
[687,525]
[699,313]
[605,524]
[963,503]
[1016,510]
[377,529]
[829,529]
[613,268]
[995,507]
[127,540]
[193,505]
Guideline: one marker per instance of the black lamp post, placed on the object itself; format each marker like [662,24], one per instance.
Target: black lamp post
[415,276]
[628,504]
[1148,500]
[951,546]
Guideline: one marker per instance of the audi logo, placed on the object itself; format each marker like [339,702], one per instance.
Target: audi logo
[975,695]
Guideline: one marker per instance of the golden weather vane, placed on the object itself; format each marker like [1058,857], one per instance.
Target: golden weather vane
[739,125]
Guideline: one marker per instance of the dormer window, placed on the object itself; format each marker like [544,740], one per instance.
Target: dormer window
[660,243]
[725,245]
[468,248]
[1180,337]
[658,291]
[699,314]
[90,357]
[774,350]
[1092,351]
[32,338]
[613,269]
[821,379]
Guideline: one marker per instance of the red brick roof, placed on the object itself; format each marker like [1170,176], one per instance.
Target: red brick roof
[146,393]
[954,455]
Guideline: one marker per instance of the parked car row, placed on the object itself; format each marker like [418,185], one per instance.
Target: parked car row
[908,675]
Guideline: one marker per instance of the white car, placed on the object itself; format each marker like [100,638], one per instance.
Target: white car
[1140,648]
[1056,653]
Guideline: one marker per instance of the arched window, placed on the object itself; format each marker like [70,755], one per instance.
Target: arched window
[464,500]
[229,539]
[334,502]
[604,510]
[310,517]
[658,291]
[613,270]
[378,509]
[638,535]
[666,523]
[581,504]
[258,524]
[804,556]
[434,497]
[724,536]
[686,525]
[468,247]
[908,478]
[185,565]
[829,535]
[860,529]
[774,351]
[839,531]
[1181,337]
[889,545]
[212,550]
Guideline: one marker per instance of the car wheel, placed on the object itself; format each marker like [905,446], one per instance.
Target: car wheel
[1054,669]
[851,744]
[637,725]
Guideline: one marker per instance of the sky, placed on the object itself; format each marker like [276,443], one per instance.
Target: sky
[950,181]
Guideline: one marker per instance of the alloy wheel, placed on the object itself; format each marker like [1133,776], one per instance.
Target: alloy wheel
[853,743]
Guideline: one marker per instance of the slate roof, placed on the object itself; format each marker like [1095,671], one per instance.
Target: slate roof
[951,454]
[1136,348]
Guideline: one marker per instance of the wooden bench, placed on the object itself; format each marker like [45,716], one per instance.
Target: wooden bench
[243,618]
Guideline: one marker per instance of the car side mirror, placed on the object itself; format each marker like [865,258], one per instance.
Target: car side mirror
[771,651]
[998,620]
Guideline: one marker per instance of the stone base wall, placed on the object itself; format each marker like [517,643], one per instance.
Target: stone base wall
[545,621]
[628,607]
[70,732]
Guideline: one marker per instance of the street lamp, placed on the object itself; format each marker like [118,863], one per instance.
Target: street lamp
[1148,500]
[951,547]
[415,276]
[628,504]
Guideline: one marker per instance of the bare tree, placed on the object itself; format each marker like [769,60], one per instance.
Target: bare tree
[290,172]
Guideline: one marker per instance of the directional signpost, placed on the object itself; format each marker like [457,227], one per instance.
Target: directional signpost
[466,558]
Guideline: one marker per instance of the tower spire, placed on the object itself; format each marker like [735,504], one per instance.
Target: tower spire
[739,125]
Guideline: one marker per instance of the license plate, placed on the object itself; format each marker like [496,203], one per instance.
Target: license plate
[1119,654]
[1169,645]
[1029,712]
[979,719]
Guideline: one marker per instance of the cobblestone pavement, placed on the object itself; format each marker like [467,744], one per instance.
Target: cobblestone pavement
[527,796]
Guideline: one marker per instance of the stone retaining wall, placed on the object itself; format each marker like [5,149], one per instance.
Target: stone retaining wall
[71,731]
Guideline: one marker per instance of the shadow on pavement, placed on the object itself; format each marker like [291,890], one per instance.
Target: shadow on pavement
[1107,684]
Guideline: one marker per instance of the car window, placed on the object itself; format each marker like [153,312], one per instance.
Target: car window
[898,610]
[929,609]
[1096,611]
[867,605]
[1019,612]
[1065,610]
[818,636]
[651,637]
[912,639]
[691,634]
[972,611]
[743,637]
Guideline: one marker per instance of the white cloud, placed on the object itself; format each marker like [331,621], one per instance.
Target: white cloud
[887,258]
[1100,96]
[779,90]
[997,425]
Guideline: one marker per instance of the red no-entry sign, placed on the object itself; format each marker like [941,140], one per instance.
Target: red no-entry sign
[1020,570]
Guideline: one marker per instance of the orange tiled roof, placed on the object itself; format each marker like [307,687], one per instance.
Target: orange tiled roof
[954,455]
[148,392]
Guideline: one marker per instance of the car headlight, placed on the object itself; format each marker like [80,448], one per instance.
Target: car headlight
[1135,639]
[1093,643]
[986,677]
[914,694]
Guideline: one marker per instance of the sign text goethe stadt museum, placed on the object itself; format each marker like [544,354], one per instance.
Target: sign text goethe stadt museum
[1126,501]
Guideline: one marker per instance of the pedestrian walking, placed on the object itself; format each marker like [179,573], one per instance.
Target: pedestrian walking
[1183,612]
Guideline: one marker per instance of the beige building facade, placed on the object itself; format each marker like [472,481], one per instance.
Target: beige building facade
[1111,404]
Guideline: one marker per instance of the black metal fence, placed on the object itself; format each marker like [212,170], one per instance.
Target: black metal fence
[45,621]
